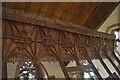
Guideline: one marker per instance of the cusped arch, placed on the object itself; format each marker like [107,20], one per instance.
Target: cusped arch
[48,55]
[27,58]
[19,55]
[53,58]
[20,58]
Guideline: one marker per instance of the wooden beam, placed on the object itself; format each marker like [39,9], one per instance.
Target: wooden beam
[56,24]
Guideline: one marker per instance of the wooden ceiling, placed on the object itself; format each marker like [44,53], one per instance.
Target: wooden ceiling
[90,15]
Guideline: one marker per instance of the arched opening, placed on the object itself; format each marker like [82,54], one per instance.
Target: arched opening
[26,70]
[87,69]
[97,61]
[71,67]
[100,68]
[20,66]
[51,64]
[86,59]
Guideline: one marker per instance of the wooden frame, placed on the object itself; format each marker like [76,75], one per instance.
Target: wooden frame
[38,37]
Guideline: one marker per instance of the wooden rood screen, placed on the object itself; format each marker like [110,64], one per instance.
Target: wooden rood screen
[27,37]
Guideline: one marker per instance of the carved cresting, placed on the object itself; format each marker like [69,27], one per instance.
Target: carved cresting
[42,38]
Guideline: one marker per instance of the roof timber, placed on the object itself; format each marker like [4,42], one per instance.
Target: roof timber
[51,23]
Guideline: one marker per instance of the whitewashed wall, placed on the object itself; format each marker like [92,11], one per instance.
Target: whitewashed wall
[11,68]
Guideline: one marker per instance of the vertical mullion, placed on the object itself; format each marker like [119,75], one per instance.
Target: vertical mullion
[113,65]
[94,68]
[104,65]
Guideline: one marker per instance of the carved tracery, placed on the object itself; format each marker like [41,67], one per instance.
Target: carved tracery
[43,42]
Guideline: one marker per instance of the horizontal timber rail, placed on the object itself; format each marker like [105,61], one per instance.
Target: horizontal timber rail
[50,23]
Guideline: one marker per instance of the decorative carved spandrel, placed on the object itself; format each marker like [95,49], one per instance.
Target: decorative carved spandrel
[48,41]
[23,37]
[82,40]
[67,44]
